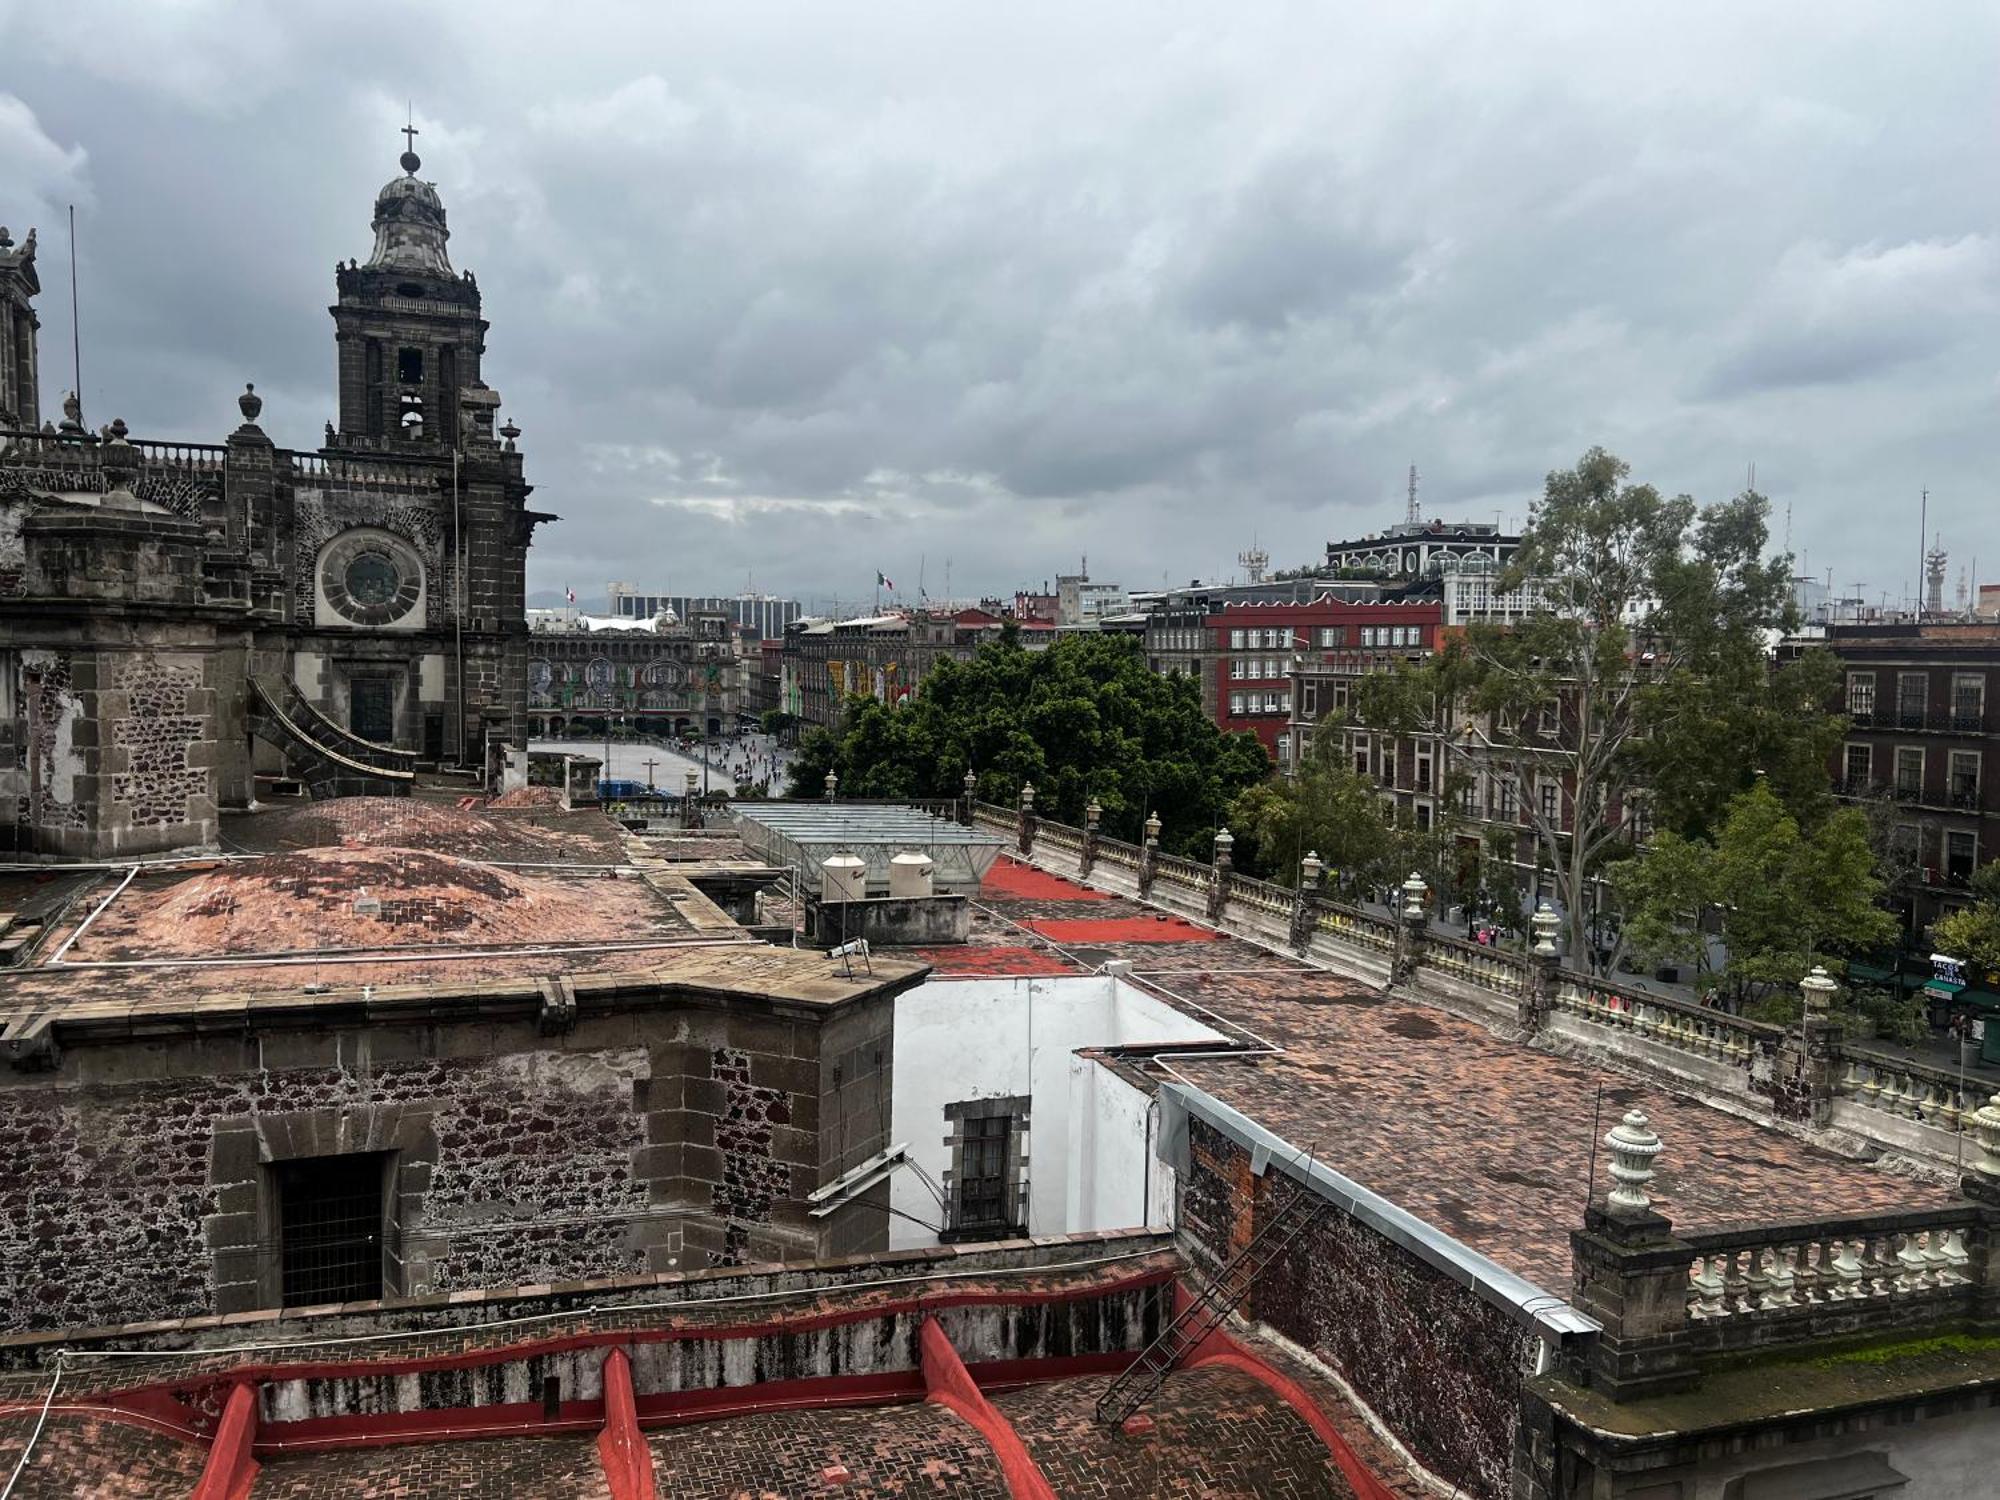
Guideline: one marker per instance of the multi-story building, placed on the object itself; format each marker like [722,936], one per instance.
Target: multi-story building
[885,657]
[1260,648]
[657,677]
[766,614]
[1922,733]
[1418,548]
[1081,602]
[1177,639]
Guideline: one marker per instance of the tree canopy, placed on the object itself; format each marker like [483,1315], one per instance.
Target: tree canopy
[1327,807]
[1082,718]
[1972,933]
[1643,664]
[1782,897]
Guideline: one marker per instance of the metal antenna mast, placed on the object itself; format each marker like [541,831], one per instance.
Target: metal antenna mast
[1413,515]
[75,330]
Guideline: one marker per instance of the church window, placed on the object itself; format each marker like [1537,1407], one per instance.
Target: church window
[372,374]
[372,579]
[410,366]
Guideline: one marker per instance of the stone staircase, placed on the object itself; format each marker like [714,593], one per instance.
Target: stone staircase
[330,760]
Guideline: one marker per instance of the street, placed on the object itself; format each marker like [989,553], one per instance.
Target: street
[755,755]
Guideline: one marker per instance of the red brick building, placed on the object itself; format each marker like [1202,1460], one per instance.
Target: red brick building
[1258,646]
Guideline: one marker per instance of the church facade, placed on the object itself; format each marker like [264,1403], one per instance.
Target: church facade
[178,618]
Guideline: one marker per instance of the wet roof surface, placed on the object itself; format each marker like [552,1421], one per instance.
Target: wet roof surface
[1488,1139]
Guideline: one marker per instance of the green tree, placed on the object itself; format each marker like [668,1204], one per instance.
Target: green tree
[1083,718]
[1650,622]
[1327,808]
[1781,897]
[1972,933]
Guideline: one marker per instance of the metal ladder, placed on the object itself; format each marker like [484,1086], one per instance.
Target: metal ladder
[1139,1381]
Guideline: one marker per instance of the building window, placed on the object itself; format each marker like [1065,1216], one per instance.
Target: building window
[1961,853]
[1236,640]
[1910,690]
[1236,705]
[1965,778]
[330,1228]
[1861,696]
[987,1186]
[1423,817]
[1857,769]
[1503,799]
[1331,635]
[1909,771]
[1236,668]
[1968,702]
[409,367]
[1551,800]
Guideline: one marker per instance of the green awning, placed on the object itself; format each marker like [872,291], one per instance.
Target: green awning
[1976,997]
[1860,973]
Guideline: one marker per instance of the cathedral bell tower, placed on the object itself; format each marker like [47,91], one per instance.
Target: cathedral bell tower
[408,329]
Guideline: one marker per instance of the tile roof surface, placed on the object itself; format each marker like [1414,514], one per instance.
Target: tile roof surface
[1488,1139]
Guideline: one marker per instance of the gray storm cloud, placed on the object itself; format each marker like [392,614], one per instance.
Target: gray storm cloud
[794,293]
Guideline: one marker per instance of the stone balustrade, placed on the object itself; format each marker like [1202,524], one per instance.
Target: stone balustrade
[1172,869]
[1908,1090]
[1351,925]
[1115,852]
[1693,1029]
[201,458]
[1493,969]
[1259,895]
[1810,1278]
[1059,836]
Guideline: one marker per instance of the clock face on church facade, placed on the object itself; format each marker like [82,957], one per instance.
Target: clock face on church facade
[371,578]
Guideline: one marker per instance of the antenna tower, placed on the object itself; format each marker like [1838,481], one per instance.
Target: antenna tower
[1253,563]
[1413,515]
[1934,566]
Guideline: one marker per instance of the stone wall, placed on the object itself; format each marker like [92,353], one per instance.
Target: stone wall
[1438,1364]
[650,1141]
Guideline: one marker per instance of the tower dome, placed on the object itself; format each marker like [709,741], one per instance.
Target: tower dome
[409,225]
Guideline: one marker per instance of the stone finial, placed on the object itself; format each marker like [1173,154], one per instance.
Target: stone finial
[971,781]
[1310,869]
[250,404]
[1818,989]
[1027,796]
[1093,814]
[1633,1146]
[121,464]
[1986,1134]
[1544,924]
[832,784]
[1152,829]
[72,410]
[1415,894]
[1224,842]
[510,432]
[6,239]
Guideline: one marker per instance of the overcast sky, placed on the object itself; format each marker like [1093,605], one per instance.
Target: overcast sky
[792,292]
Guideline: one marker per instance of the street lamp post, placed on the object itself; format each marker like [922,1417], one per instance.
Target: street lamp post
[832,784]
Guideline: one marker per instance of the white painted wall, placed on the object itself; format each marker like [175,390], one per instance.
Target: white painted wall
[960,1039]
[1116,1180]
